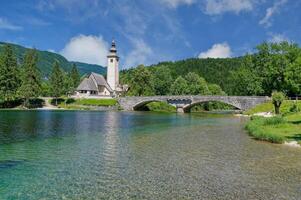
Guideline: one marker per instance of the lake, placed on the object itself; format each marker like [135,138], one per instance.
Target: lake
[140,155]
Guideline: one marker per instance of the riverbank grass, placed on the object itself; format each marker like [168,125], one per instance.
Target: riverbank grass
[85,104]
[286,107]
[276,129]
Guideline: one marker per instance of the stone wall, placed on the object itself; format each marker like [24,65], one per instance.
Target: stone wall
[184,103]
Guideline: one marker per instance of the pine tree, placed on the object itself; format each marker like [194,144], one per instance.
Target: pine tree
[57,81]
[30,77]
[9,76]
[74,74]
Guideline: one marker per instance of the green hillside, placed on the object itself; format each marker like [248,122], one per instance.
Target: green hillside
[214,70]
[85,68]
[46,59]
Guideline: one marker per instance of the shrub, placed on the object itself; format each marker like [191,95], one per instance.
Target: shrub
[274,120]
[294,108]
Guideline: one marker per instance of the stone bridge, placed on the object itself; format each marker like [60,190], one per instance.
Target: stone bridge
[185,103]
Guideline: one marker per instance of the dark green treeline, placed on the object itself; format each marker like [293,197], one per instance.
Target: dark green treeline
[21,80]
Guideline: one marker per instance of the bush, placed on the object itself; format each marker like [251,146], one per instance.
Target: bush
[70,101]
[35,103]
[160,107]
[274,120]
[294,108]
[11,104]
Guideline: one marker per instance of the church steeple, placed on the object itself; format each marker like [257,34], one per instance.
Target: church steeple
[112,69]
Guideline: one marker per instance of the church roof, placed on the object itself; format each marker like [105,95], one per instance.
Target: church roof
[87,84]
[92,82]
[100,80]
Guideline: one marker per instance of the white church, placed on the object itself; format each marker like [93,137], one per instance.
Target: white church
[96,86]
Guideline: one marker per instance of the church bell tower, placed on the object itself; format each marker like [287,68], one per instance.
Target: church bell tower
[112,69]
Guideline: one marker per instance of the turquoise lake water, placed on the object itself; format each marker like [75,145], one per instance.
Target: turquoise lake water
[140,155]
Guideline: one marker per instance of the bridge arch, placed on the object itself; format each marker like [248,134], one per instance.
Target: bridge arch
[143,103]
[188,107]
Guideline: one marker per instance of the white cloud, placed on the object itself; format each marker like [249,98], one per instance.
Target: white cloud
[216,7]
[139,55]
[221,50]
[5,24]
[87,48]
[277,38]
[176,3]
[266,21]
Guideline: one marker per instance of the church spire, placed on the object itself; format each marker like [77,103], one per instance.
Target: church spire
[113,47]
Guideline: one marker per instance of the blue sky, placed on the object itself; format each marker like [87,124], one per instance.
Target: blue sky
[148,31]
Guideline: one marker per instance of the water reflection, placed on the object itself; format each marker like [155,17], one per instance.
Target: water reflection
[119,155]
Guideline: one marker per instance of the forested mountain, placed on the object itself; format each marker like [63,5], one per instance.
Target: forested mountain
[85,68]
[46,60]
[272,67]
[215,71]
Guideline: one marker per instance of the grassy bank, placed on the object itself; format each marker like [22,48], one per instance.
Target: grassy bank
[84,104]
[286,107]
[276,129]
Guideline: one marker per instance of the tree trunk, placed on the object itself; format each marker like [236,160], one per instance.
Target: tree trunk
[277,109]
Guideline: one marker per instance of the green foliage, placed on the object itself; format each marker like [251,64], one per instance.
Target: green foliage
[276,129]
[196,85]
[269,107]
[75,77]
[46,60]
[215,89]
[277,99]
[9,75]
[179,87]
[160,107]
[30,77]
[141,83]
[244,80]
[216,70]
[57,84]
[294,108]
[82,104]
[293,77]
[96,102]
[162,80]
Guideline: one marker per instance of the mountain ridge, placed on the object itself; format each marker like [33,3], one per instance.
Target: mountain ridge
[47,58]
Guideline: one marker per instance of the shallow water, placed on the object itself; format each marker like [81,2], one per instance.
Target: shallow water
[122,155]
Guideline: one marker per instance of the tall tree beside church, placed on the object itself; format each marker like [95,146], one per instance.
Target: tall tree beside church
[30,77]
[74,75]
[162,80]
[179,87]
[57,82]
[141,83]
[9,76]
[196,85]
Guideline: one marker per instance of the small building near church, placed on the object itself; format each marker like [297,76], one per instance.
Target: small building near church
[95,85]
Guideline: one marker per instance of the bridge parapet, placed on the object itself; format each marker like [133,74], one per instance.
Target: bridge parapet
[185,102]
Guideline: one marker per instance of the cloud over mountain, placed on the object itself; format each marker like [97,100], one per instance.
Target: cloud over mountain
[87,48]
[221,50]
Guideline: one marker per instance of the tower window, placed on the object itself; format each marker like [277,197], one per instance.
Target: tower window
[111,60]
